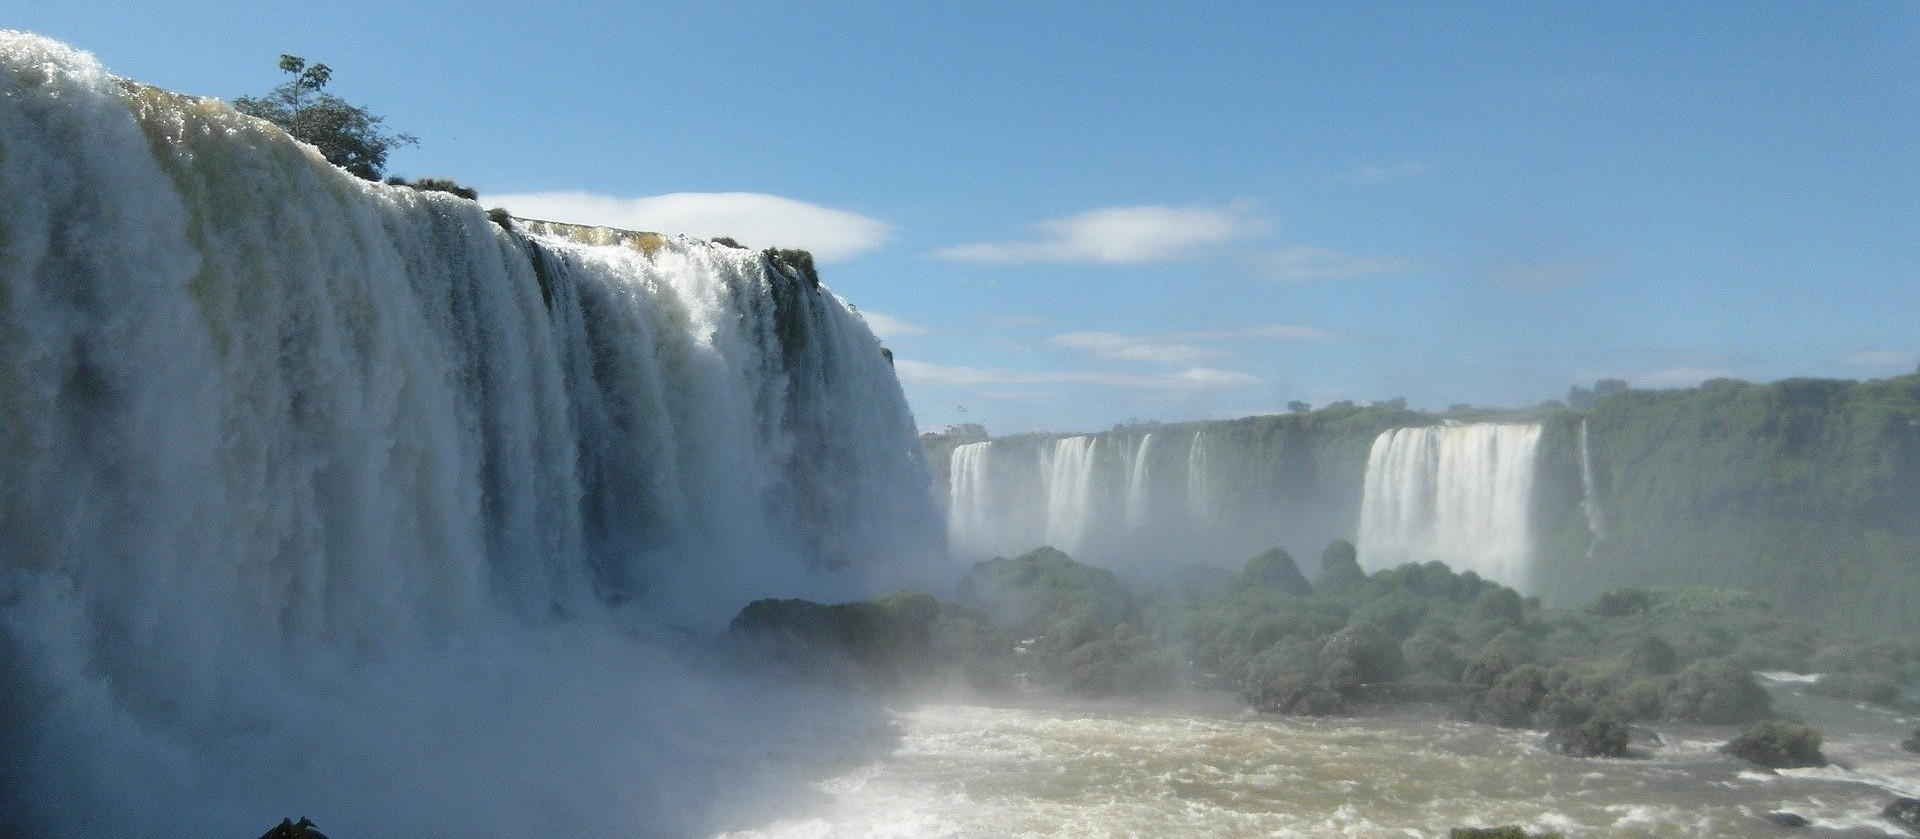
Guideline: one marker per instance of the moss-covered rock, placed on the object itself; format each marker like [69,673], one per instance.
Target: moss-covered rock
[1599,736]
[1778,744]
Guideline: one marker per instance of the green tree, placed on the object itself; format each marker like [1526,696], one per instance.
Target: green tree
[348,135]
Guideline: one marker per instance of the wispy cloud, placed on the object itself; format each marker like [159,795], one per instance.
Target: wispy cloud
[752,218]
[1194,378]
[1882,359]
[1306,263]
[888,326]
[1180,347]
[1107,346]
[1379,173]
[1118,235]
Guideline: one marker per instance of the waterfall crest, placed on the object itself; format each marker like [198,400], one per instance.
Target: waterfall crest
[287,453]
[1459,494]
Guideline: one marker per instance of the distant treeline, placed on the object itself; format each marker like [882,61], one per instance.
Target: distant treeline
[1805,492]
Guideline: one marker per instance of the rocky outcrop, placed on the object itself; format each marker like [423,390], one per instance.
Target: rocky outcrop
[1778,744]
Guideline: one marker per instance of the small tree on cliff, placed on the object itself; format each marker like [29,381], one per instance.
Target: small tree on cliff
[348,135]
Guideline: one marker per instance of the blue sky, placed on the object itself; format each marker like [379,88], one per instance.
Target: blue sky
[1065,215]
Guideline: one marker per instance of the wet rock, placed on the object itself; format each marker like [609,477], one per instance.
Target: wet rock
[1912,744]
[1778,744]
[1787,819]
[1600,736]
[1905,812]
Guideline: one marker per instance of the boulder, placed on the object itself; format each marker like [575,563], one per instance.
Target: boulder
[1778,744]
[1904,812]
[1600,736]
[1912,744]
[1787,819]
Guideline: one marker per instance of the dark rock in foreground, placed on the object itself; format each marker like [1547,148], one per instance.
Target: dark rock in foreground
[1778,744]
[1904,812]
[1912,744]
[1787,819]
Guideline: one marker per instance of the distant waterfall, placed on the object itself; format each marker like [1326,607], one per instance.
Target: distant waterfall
[320,494]
[1589,494]
[1070,491]
[970,499]
[1458,494]
[1199,489]
[1137,483]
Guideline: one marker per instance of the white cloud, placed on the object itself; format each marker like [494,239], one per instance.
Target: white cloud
[1882,359]
[1107,346]
[1195,378]
[1179,347]
[1306,263]
[1118,236]
[888,326]
[1379,173]
[752,218]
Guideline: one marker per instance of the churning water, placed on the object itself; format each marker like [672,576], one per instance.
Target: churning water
[1161,770]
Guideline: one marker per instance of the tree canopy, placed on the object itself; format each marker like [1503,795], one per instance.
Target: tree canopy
[348,135]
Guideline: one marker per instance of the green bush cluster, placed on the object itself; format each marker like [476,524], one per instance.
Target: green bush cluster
[1344,640]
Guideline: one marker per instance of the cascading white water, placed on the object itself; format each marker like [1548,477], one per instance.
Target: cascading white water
[971,517]
[1069,469]
[1199,487]
[1459,494]
[1590,493]
[316,495]
[1138,473]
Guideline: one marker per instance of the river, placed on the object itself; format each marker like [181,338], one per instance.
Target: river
[1205,767]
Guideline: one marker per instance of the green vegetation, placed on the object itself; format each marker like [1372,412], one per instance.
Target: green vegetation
[1778,744]
[349,136]
[446,185]
[899,641]
[1803,491]
[1346,641]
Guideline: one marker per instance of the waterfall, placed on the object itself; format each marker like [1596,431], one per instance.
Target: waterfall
[1589,495]
[1069,467]
[1137,483]
[1458,494]
[971,516]
[1199,492]
[318,493]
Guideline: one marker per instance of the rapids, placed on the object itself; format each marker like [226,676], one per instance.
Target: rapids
[1206,768]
